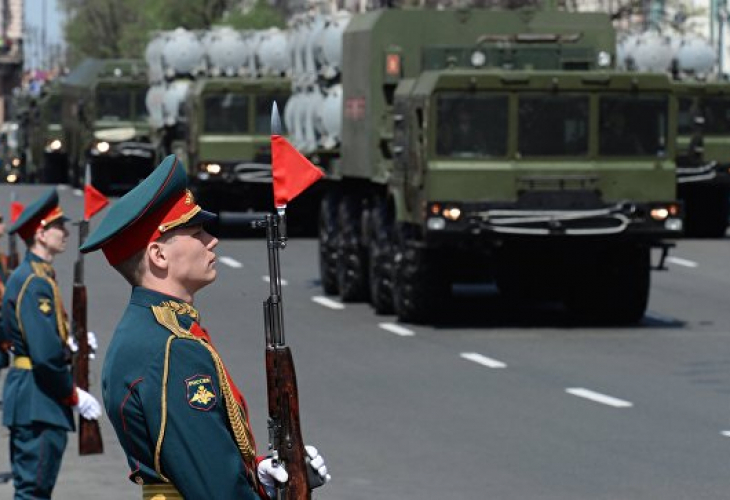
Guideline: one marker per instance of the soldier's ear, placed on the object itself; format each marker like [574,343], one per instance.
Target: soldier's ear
[157,256]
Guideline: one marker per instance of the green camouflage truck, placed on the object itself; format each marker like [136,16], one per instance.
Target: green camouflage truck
[497,145]
[105,124]
[703,156]
[227,144]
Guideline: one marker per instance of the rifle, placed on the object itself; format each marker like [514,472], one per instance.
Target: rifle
[285,435]
[90,442]
[13,257]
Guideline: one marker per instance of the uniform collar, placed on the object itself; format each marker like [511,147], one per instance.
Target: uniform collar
[145,297]
[39,265]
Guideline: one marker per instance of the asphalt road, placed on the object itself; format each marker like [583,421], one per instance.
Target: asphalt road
[495,403]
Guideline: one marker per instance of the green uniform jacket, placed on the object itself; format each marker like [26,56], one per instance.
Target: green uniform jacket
[168,398]
[35,321]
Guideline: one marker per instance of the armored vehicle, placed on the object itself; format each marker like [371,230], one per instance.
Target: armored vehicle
[497,145]
[105,123]
[703,156]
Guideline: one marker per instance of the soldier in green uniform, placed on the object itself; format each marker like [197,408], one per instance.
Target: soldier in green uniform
[180,418]
[39,393]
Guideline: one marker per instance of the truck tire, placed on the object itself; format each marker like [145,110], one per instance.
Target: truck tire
[381,260]
[328,244]
[421,288]
[611,286]
[352,268]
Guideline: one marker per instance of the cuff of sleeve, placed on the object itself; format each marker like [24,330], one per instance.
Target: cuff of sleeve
[72,399]
[260,487]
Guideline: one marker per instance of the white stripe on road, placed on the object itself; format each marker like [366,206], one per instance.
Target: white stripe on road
[598,397]
[397,329]
[726,433]
[268,279]
[682,262]
[324,301]
[483,360]
[230,262]
[78,192]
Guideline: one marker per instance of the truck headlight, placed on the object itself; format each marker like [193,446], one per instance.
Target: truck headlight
[210,168]
[451,213]
[12,178]
[15,162]
[102,147]
[54,145]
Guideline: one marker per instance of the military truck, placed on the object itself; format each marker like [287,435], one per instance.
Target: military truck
[17,164]
[703,156]
[47,151]
[497,145]
[228,140]
[105,123]
[210,104]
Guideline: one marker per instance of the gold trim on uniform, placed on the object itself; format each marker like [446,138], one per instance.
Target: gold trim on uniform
[160,492]
[22,363]
[180,220]
[165,316]
[183,308]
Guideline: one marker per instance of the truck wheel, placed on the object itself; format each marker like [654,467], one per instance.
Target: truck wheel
[381,260]
[611,286]
[352,269]
[328,244]
[421,288]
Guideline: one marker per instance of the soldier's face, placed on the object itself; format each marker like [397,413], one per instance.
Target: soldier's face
[191,256]
[54,237]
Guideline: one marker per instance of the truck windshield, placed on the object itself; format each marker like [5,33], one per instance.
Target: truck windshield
[263,111]
[226,114]
[471,125]
[716,111]
[632,125]
[54,110]
[553,125]
[113,105]
[685,117]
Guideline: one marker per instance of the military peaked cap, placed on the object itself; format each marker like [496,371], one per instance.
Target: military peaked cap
[158,204]
[38,214]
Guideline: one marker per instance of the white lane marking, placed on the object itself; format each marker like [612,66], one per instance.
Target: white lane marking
[324,301]
[397,329]
[726,433]
[78,192]
[682,262]
[62,187]
[483,360]
[268,279]
[230,262]
[598,397]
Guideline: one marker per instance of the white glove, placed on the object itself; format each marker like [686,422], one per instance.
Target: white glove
[90,341]
[270,474]
[88,406]
[316,463]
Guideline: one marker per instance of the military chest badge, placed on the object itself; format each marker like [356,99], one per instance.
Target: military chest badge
[201,393]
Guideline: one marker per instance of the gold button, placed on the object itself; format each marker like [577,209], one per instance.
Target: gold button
[139,480]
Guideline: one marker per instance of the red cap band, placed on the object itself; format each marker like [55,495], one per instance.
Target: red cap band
[149,227]
[41,220]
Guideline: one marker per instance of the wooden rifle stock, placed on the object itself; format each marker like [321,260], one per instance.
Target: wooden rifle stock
[285,435]
[90,442]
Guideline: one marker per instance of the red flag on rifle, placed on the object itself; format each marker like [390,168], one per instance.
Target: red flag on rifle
[94,201]
[16,208]
[292,172]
